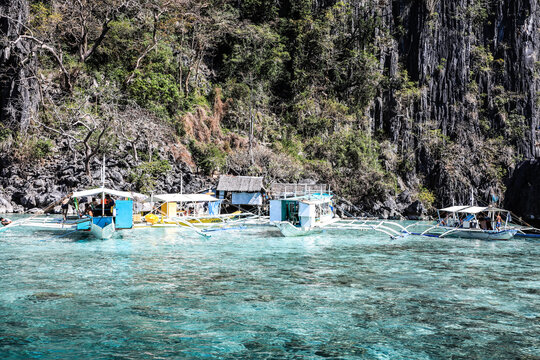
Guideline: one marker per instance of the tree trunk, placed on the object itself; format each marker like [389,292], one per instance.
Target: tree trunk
[19,88]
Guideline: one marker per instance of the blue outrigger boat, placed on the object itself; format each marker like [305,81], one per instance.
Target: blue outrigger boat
[103,223]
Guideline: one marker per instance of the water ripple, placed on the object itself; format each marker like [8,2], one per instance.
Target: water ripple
[251,295]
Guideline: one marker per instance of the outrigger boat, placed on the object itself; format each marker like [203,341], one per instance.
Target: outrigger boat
[192,210]
[472,222]
[104,222]
[303,215]
[120,217]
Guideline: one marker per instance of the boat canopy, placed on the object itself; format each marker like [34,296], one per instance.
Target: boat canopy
[454,208]
[181,198]
[477,209]
[471,209]
[101,190]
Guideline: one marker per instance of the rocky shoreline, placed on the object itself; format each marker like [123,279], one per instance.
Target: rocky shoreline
[30,188]
[33,187]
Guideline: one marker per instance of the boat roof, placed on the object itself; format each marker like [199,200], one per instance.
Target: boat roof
[471,209]
[181,198]
[477,209]
[101,190]
[454,208]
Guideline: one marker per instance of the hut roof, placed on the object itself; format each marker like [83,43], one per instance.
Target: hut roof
[240,183]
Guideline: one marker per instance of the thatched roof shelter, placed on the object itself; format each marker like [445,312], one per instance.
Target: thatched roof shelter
[240,183]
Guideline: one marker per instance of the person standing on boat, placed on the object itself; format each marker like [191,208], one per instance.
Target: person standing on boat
[109,204]
[498,220]
[65,208]
[94,206]
[5,221]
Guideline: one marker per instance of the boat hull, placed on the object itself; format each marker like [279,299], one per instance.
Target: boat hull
[479,234]
[289,230]
[56,224]
[102,233]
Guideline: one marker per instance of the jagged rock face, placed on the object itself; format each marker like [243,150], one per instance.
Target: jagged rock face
[523,194]
[444,50]
[19,93]
[42,184]
[476,65]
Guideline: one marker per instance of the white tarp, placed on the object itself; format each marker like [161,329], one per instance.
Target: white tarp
[181,198]
[477,209]
[473,209]
[454,208]
[92,192]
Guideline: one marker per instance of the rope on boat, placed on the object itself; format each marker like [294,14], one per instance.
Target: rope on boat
[524,222]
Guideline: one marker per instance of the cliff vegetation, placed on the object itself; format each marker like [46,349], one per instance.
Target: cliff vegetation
[427,99]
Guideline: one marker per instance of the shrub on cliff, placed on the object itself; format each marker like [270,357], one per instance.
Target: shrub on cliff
[145,175]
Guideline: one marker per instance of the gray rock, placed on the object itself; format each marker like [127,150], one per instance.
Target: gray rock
[39,183]
[390,204]
[29,200]
[18,209]
[404,197]
[42,200]
[116,177]
[416,209]
[5,206]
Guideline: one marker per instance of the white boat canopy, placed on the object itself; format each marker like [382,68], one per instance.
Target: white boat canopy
[97,191]
[454,208]
[477,209]
[181,198]
[473,209]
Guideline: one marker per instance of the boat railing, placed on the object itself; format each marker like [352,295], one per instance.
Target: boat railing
[285,191]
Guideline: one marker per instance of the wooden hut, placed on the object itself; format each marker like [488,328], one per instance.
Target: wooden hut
[241,190]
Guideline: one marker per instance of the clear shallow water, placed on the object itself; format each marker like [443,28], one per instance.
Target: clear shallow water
[253,294]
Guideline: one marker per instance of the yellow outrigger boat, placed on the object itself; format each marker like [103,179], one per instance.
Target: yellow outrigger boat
[192,210]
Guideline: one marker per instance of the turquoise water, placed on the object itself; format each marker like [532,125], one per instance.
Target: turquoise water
[254,295]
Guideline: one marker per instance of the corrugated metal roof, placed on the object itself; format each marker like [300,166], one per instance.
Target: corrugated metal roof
[240,183]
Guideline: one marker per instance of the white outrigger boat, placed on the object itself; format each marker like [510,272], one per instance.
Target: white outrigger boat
[302,215]
[101,226]
[472,222]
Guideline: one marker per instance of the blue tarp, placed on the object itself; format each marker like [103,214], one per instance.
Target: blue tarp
[243,198]
[214,207]
[124,214]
